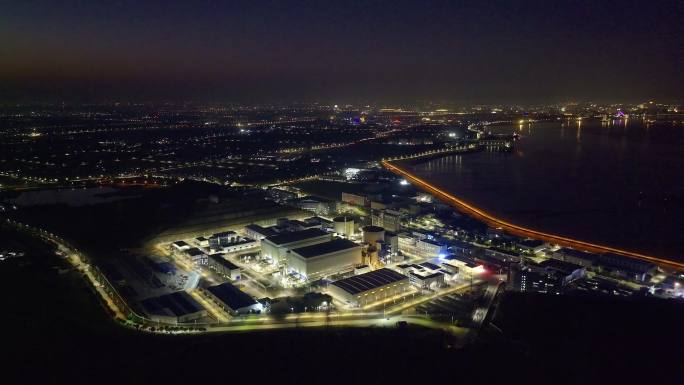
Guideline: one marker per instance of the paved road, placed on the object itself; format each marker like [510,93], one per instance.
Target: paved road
[426,298]
[480,314]
[360,320]
[264,322]
[517,229]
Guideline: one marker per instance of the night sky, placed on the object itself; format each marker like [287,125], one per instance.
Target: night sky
[381,51]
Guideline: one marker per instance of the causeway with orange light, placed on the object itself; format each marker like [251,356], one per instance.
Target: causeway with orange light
[518,230]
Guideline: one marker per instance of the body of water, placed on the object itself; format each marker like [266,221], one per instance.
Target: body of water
[619,183]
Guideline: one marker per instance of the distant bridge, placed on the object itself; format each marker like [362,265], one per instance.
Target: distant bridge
[437,153]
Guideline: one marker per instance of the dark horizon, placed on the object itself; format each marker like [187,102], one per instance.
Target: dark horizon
[391,52]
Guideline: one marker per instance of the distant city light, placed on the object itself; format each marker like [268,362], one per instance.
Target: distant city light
[404,182]
[351,172]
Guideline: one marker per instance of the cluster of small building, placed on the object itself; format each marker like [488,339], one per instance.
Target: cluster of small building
[7,254]
[398,245]
[394,230]
[210,251]
[180,307]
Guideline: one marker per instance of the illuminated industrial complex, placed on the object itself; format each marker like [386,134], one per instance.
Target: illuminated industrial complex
[368,241]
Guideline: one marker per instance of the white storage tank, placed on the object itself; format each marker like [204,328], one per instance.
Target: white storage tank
[344,226]
[373,234]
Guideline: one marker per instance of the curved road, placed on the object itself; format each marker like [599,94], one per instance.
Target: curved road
[511,228]
[245,323]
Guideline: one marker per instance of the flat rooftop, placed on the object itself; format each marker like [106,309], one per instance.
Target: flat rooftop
[241,241]
[622,262]
[193,251]
[231,296]
[265,231]
[461,258]
[295,236]
[467,261]
[557,264]
[224,234]
[223,262]
[577,253]
[532,243]
[175,304]
[316,220]
[369,281]
[430,266]
[426,276]
[337,244]
[432,242]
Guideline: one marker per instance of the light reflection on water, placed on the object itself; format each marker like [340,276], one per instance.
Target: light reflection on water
[619,183]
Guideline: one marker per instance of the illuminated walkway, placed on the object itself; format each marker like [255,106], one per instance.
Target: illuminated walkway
[517,229]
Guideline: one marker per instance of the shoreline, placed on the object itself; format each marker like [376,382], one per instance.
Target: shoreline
[519,230]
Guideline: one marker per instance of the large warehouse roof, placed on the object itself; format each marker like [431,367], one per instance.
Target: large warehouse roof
[295,236]
[231,296]
[175,304]
[369,281]
[265,231]
[337,244]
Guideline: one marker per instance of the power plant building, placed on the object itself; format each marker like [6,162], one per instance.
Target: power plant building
[373,234]
[344,226]
[224,267]
[323,258]
[389,219]
[224,238]
[370,287]
[392,241]
[353,199]
[316,205]
[258,232]
[276,247]
[232,299]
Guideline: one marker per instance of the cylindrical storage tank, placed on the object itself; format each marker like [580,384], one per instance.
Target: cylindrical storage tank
[344,226]
[373,234]
[372,255]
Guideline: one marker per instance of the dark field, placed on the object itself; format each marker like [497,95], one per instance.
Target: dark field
[55,331]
